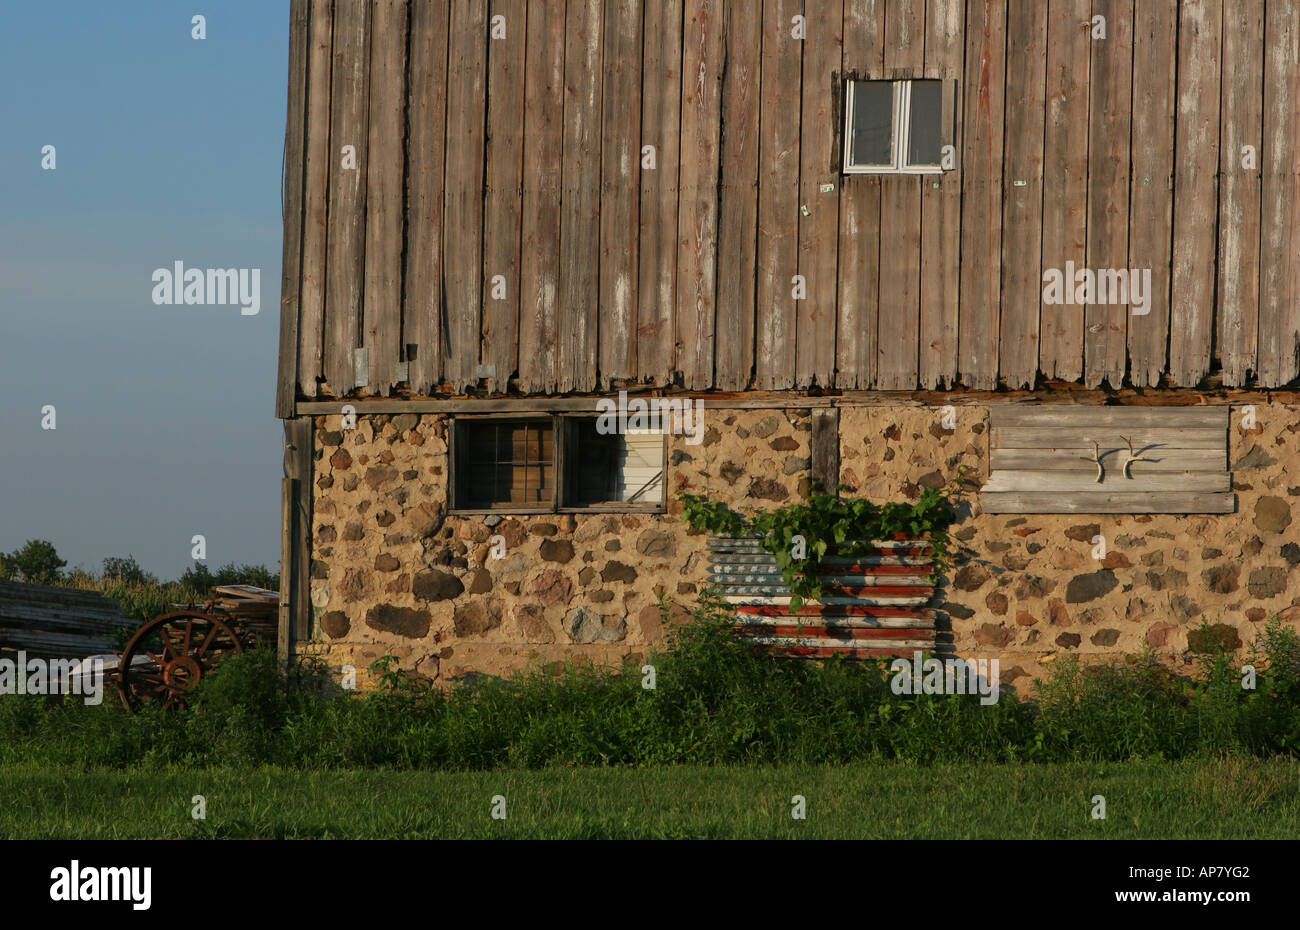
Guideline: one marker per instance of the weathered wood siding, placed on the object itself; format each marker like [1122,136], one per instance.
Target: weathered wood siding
[564,196]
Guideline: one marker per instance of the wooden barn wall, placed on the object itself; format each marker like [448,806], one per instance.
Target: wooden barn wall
[564,196]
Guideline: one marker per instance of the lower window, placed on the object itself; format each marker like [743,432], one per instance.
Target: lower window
[554,463]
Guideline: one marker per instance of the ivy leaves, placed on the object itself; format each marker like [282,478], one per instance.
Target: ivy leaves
[826,523]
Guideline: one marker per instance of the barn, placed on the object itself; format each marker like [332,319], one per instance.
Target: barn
[1049,246]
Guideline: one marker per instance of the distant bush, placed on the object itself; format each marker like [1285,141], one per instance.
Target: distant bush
[37,562]
[127,571]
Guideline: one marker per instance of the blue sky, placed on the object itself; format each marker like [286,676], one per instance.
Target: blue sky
[167,149]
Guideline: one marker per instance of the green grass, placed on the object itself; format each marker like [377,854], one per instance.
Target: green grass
[1206,799]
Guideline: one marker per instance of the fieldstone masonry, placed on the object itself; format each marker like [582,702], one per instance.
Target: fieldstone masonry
[394,573]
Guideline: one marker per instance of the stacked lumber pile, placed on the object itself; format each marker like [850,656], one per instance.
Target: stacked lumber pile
[58,623]
[256,609]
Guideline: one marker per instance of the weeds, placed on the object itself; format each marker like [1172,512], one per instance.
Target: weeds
[716,701]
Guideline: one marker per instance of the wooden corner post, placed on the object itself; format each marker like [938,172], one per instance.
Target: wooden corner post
[295,536]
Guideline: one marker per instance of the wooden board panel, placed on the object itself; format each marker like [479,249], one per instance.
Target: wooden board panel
[697,217]
[1069,460]
[778,198]
[1165,502]
[462,249]
[941,203]
[295,585]
[819,168]
[540,224]
[1022,198]
[1206,417]
[1196,161]
[899,318]
[1049,437]
[346,241]
[1105,339]
[1279,312]
[385,176]
[1141,482]
[1151,198]
[580,199]
[1065,180]
[825,450]
[316,167]
[422,301]
[295,132]
[859,238]
[981,223]
[661,81]
[620,160]
[1239,189]
[284,616]
[738,200]
[503,196]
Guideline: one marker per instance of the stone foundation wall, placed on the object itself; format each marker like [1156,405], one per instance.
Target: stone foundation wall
[394,573]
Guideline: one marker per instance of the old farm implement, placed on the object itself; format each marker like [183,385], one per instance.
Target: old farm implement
[875,603]
[169,655]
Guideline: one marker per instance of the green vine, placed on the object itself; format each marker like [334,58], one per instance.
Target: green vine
[828,523]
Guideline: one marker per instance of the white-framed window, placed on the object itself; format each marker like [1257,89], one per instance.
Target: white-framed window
[893,127]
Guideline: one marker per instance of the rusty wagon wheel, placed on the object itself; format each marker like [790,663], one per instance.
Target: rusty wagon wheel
[182,647]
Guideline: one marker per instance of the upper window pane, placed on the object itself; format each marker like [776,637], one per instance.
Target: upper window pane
[507,464]
[871,126]
[924,139]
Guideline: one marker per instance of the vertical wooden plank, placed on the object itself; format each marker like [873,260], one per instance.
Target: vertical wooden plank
[462,249]
[422,302]
[661,104]
[316,158]
[1022,198]
[1105,340]
[502,199]
[819,166]
[295,132]
[346,242]
[778,197]
[738,200]
[941,203]
[543,155]
[1196,190]
[1150,240]
[1279,312]
[620,161]
[580,200]
[285,626]
[1239,190]
[824,447]
[863,57]
[295,557]
[385,175]
[899,326]
[697,217]
[981,222]
[1065,187]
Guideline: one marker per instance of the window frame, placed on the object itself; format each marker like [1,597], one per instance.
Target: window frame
[559,502]
[901,128]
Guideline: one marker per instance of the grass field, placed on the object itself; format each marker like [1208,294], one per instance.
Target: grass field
[1228,799]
